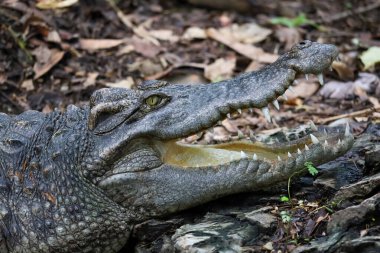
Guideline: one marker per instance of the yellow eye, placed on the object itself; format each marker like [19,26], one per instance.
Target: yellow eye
[153,100]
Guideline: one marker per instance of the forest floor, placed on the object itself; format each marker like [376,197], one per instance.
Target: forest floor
[51,57]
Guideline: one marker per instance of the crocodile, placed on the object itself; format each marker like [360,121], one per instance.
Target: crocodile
[78,180]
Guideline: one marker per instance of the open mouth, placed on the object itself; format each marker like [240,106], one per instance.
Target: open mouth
[189,155]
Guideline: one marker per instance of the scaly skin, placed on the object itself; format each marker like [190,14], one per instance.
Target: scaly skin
[77,181]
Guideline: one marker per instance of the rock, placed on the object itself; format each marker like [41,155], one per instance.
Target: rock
[214,233]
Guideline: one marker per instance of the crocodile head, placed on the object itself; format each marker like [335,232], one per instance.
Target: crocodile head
[135,156]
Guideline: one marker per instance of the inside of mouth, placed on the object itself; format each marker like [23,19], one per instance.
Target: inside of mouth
[188,155]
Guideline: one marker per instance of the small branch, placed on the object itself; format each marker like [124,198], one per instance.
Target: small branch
[349,115]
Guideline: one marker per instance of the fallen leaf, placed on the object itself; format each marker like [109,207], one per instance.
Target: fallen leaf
[289,36]
[194,33]
[250,51]
[164,35]
[221,69]
[126,83]
[304,89]
[27,85]
[53,36]
[55,4]
[339,90]
[343,70]
[3,78]
[90,80]
[125,50]
[370,57]
[45,59]
[96,44]
[145,48]
[248,33]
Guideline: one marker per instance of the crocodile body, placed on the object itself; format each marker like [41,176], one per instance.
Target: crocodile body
[77,181]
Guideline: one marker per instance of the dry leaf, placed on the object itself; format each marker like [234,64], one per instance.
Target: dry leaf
[145,47]
[221,69]
[248,33]
[250,51]
[125,50]
[126,83]
[194,33]
[96,44]
[343,70]
[55,4]
[164,35]
[90,80]
[45,59]
[287,35]
[27,84]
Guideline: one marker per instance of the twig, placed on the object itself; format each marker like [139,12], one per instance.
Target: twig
[346,14]
[348,115]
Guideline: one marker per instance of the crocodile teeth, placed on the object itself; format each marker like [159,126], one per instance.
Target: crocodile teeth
[289,155]
[347,131]
[299,151]
[295,81]
[250,110]
[324,131]
[254,157]
[330,68]
[326,143]
[276,104]
[313,126]
[251,134]
[229,115]
[307,76]
[279,158]
[314,139]
[239,111]
[266,113]
[240,134]
[243,155]
[284,96]
[306,147]
[291,89]
[339,142]
[320,79]
[211,130]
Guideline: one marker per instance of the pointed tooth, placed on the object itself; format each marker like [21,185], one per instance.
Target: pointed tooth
[219,122]
[240,134]
[320,79]
[289,155]
[347,131]
[291,89]
[250,110]
[307,76]
[243,155]
[211,130]
[279,158]
[276,104]
[326,143]
[229,115]
[199,135]
[339,142]
[284,96]
[324,131]
[313,126]
[254,157]
[330,68]
[299,151]
[251,134]
[295,81]
[266,113]
[306,147]
[239,111]
[314,139]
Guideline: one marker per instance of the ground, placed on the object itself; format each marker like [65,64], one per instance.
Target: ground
[51,57]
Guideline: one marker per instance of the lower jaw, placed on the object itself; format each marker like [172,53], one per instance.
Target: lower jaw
[190,156]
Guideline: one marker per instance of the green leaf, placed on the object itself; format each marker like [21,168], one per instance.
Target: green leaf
[310,167]
[284,199]
[300,20]
[370,57]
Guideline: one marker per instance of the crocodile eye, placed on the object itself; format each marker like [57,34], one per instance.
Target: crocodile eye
[153,100]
